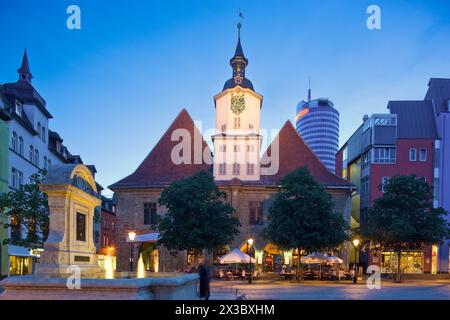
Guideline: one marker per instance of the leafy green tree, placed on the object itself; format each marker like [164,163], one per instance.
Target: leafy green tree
[302,217]
[27,209]
[198,217]
[404,218]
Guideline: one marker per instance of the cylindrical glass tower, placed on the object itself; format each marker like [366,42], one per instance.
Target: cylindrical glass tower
[317,122]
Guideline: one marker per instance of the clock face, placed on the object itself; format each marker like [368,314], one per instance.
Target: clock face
[237,103]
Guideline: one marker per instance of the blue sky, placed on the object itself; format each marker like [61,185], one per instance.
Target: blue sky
[116,85]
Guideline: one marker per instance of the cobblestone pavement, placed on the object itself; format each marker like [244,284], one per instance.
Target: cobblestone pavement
[314,290]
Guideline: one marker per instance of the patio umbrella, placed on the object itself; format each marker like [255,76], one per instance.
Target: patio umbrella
[315,258]
[236,256]
[334,259]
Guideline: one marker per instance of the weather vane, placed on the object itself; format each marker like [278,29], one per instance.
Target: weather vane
[239,25]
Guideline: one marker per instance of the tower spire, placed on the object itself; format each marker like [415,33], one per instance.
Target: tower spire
[309,90]
[24,70]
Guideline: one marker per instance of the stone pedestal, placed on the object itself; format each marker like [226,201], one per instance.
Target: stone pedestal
[72,198]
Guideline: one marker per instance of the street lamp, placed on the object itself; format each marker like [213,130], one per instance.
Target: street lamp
[249,244]
[356,244]
[131,237]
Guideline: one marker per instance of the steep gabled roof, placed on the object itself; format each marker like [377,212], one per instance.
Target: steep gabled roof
[293,154]
[158,169]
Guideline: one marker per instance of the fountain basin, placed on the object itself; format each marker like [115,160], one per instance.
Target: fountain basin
[164,286]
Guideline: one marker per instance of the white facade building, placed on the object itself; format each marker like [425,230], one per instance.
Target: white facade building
[32,146]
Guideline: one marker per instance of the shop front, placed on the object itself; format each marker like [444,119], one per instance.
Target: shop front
[22,260]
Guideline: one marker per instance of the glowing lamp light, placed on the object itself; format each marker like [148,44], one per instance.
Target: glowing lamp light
[131,236]
[356,242]
[250,242]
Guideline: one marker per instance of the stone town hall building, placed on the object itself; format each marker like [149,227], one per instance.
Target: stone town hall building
[250,181]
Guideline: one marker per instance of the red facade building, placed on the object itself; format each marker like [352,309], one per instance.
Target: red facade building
[402,142]
[108,226]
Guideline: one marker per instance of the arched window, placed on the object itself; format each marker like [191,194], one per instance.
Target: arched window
[36,157]
[44,134]
[45,163]
[49,163]
[39,129]
[14,141]
[21,146]
[31,154]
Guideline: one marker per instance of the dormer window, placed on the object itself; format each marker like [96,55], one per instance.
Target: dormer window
[19,108]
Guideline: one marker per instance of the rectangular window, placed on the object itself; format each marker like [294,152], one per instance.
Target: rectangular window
[250,169]
[14,178]
[236,169]
[423,155]
[222,169]
[222,148]
[223,128]
[150,216]
[237,122]
[255,213]
[250,148]
[81,227]
[365,163]
[237,148]
[384,155]
[384,181]
[412,154]
[20,178]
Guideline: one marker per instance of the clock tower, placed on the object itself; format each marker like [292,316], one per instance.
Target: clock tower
[237,141]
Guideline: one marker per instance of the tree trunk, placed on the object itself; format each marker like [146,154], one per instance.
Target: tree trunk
[399,269]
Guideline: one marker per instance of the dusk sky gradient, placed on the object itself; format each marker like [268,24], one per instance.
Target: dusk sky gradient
[116,85]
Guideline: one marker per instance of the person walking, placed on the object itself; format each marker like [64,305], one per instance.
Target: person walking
[205,278]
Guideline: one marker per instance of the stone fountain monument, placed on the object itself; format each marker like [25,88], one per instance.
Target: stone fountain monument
[72,198]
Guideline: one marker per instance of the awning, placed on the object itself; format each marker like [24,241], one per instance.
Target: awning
[21,251]
[146,237]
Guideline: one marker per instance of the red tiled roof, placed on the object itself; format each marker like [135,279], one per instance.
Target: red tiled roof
[158,169]
[293,154]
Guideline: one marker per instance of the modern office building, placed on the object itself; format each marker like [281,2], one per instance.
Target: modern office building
[317,122]
[402,142]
